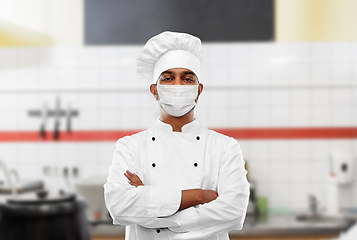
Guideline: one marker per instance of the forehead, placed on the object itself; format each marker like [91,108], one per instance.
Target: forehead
[178,71]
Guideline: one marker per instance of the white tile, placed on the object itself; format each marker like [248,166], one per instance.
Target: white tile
[260,117]
[27,153]
[28,171]
[300,97]
[108,119]
[88,100]
[109,101]
[239,74]
[9,79]
[341,52]
[341,73]
[300,74]
[320,73]
[216,53]
[8,152]
[127,76]
[279,196]
[260,52]
[129,100]
[9,57]
[89,170]
[147,118]
[9,120]
[342,116]
[319,171]
[105,151]
[88,153]
[88,78]
[260,150]
[218,117]
[129,119]
[300,171]
[219,98]
[109,56]
[280,117]
[259,171]
[9,101]
[263,189]
[47,78]
[68,77]
[219,75]
[321,97]
[280,51]
[66,56]
[280,172]
[280,150]
[88,56]
[239,97]
[45,57]
[321,116]
[47,154]
[239,117]
[280,97]
[300,150]
[128,54]
[88,120]
[299,196]
[238,53]
[67,154]
[28,57]
[300,117]
[260,98]
[319,150]
[321,52]
[108,77]
[28,78]
[300,51]
[279,74]
[259,74]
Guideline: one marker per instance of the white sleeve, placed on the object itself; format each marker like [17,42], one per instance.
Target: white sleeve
[228,211]
[143,205]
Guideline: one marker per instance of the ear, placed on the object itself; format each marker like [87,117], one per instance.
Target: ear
[153,90]
[200,89]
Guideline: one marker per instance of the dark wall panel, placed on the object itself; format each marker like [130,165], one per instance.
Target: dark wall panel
[135,21]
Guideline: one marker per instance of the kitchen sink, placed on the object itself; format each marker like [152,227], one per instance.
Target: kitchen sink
[321,218]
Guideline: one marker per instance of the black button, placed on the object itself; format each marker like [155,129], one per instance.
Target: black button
[158,230]
[195,164]
[198,137]
[154,165]
[153,138]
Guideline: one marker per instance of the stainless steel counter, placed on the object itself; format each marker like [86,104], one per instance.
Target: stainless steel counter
[272,225]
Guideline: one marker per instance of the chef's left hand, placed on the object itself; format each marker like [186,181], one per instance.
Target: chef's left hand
[134,180]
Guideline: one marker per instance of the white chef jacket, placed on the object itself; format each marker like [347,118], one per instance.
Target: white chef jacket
[168,162]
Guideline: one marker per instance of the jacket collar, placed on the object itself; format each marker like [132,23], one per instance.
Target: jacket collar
[191,127]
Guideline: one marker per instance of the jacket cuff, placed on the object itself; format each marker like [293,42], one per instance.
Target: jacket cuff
[163,202]
[186,219]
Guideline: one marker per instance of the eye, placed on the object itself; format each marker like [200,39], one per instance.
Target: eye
[166,79]
[188,80]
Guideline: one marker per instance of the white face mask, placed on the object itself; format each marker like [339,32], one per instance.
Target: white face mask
[177,100]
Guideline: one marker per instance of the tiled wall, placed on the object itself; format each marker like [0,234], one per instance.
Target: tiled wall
[245,85]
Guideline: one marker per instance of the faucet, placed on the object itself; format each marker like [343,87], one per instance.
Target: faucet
[8,178]
[313,205]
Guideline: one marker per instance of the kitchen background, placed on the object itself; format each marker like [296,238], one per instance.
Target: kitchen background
[296,83]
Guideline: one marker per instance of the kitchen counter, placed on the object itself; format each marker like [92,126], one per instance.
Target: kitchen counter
[272,225]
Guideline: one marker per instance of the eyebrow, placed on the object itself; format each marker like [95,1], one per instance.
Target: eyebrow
[185,72]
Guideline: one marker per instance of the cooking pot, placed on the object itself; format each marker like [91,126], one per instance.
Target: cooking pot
[55,217]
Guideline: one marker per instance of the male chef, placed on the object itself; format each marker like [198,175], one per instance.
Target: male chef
[176,180]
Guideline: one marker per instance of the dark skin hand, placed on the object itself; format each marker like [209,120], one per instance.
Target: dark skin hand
[189,198]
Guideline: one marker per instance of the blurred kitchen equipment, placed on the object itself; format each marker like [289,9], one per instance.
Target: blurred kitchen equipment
[57,120]
[29,217]
[262,205]
[44,120]
[14,188]
[342,165]
[251,210]
[92,191]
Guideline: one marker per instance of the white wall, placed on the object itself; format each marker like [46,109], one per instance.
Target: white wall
[246,85]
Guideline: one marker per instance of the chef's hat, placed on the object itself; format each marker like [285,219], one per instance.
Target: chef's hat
[169,50]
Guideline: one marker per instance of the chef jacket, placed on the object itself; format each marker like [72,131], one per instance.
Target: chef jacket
[168,162]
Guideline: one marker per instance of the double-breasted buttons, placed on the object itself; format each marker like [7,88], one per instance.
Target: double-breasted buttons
[158,230]
[195,164]
[198,137]
[153,165]
[153,138]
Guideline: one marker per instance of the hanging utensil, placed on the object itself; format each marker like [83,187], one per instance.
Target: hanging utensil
[57,120]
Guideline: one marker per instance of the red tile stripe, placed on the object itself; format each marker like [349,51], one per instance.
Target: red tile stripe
[238,133]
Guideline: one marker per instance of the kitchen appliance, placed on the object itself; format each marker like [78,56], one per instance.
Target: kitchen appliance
[40,217]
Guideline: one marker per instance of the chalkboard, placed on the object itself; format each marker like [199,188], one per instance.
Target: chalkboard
[112,22]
